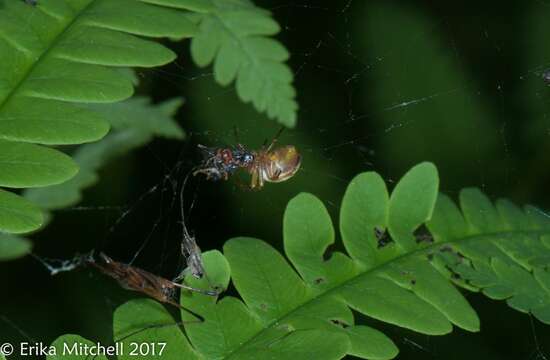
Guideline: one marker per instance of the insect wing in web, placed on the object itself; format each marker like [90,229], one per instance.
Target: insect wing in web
[136,279]
[193,257]
[56,266]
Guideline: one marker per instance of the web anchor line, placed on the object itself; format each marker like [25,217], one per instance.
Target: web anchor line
[189,247]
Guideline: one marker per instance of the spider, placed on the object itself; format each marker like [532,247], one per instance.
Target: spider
[264,165]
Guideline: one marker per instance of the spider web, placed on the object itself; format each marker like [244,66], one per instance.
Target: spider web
[382,86]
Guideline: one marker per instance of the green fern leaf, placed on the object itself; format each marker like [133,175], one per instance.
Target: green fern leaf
[406,280]
[135,122]
[18,215]
[28,165]
[234,36]
[58,54]
[503,251]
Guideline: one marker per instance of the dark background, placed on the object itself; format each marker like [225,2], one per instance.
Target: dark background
[382,85]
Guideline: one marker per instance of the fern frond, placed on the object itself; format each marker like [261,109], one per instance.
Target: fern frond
[235,36]
[405,279]
[58,54]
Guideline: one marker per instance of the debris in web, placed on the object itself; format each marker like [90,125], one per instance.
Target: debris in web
[546,76]
[129,277]
[190,251]
[189,248]
[193,257]
[56,266]
[133,278]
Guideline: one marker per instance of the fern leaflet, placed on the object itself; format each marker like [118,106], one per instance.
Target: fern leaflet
[234,35]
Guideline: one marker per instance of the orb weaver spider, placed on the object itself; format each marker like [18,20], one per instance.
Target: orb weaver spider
[268,164]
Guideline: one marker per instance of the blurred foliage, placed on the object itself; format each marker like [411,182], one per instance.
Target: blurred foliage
[423,99]
[13,247]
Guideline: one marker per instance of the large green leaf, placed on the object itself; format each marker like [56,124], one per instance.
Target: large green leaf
[57,55]
[286,313]
[234,36]
[28,165]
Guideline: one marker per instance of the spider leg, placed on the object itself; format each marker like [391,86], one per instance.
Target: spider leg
[275,139]
[276,174]
[254,182]
[258,182]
